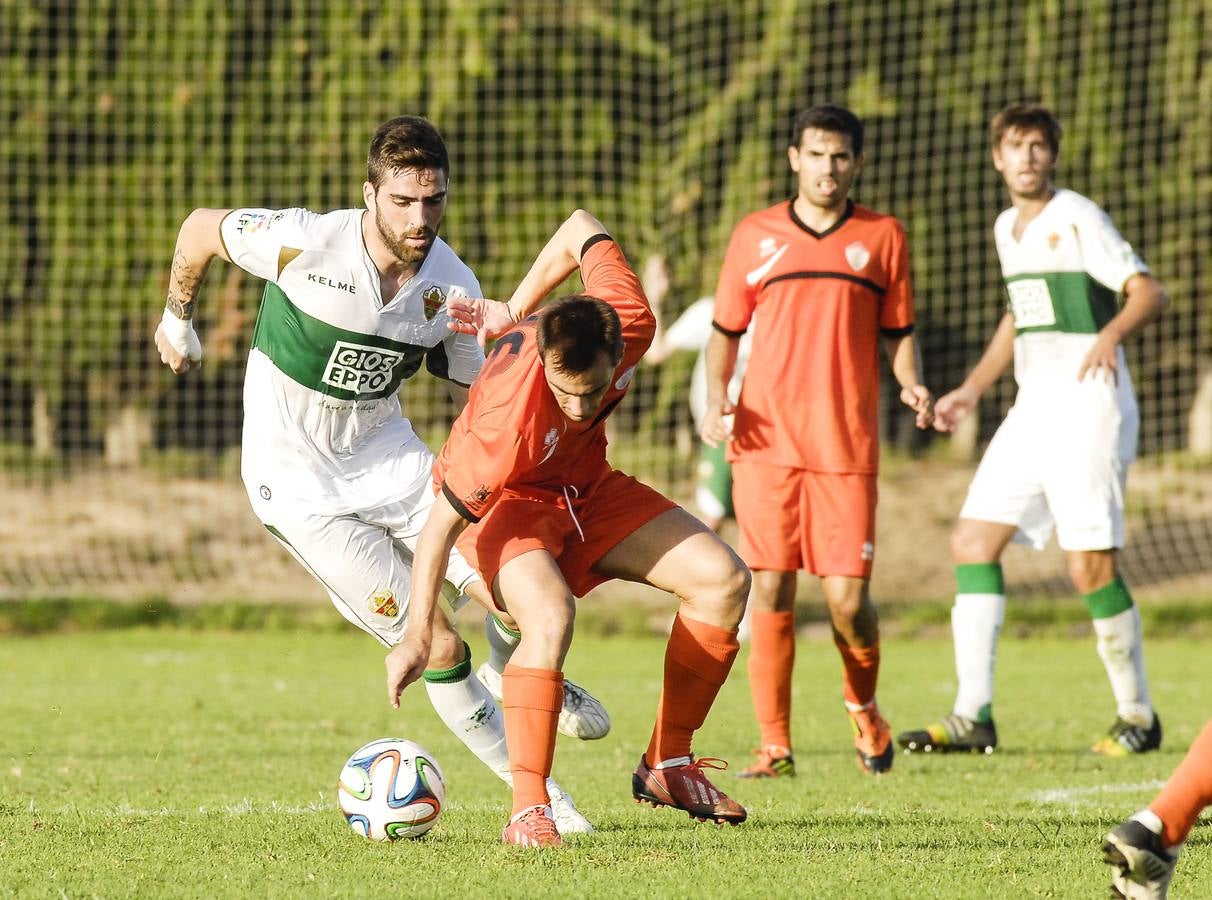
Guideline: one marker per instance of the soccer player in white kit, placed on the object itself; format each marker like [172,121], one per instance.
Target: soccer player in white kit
[1060,458]
[354,304]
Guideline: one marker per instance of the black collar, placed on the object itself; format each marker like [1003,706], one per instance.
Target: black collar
[842,219]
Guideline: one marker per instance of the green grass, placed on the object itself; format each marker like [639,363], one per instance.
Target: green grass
[169,762]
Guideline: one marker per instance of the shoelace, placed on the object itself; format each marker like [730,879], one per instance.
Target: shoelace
[544,826]
[708,762]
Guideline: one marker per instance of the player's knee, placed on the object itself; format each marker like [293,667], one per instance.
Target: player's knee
[1089,571]
[968,545]
[446,649]
[551,632]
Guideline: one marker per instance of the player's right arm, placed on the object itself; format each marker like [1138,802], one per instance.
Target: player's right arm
[952,407]
[735,301]
[558,259]
[407,660]
[198,242]
[720,358]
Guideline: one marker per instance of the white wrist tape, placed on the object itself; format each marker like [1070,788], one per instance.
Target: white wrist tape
[181,335]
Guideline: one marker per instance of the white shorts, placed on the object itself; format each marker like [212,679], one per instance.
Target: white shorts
[364,558]
[1059,462]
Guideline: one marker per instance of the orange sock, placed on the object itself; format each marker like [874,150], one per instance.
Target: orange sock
[532,699]
[698,658]
[1188,791]
[771,659]
[860,671]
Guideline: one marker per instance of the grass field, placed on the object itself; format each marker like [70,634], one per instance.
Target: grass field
[162,763]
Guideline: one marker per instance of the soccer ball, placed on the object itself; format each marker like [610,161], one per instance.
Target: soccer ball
[391,789]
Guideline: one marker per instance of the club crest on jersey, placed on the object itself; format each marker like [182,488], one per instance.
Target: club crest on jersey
[383,603]
[360,369]
[857,255]
[433,297]
[1053,240]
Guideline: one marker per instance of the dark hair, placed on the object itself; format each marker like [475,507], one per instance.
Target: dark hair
[1026,117]
[832,118]
[403,143]
[577,329]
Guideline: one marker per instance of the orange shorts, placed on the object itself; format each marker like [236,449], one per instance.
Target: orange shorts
[535,519]
[791,519]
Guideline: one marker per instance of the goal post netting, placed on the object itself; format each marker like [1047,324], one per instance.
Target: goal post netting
[668,119]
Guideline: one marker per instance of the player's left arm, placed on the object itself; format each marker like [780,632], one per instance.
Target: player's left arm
[1144,300]
[905,357]
[897,324]
[407,660]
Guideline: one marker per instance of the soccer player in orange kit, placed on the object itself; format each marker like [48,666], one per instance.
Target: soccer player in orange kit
[544,518]
[824,280]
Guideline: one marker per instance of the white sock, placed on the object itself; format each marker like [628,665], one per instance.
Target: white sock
[1123,654]
[976,621]
[475,718]
[501,643]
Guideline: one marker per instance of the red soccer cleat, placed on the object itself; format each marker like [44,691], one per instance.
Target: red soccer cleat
[687,788]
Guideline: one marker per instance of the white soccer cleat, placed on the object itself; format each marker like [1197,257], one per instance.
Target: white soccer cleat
[567,817]
[583,716]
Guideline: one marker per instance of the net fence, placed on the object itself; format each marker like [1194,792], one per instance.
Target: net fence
[667,119]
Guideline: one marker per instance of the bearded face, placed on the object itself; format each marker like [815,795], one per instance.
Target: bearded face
[408,206]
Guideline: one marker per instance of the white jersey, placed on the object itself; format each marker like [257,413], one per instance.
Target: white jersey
[1063,277]
[691,331]
[322,418]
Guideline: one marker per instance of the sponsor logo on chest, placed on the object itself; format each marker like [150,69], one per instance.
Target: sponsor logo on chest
[360,369]
[550,441]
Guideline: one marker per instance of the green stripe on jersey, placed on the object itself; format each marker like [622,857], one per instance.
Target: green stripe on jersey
[1070,302]
[334,361]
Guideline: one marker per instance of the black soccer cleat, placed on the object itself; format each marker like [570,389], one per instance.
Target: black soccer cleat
[1143,867]
[1125,739]
[953,734]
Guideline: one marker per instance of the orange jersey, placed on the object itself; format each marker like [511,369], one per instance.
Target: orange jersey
[821,301]
[512,435]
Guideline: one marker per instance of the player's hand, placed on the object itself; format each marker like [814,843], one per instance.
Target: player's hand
[405,663]
[476,315]
[178,344]
[952,408]
[655,279]
[919,399]
[717,423]
[1103,359]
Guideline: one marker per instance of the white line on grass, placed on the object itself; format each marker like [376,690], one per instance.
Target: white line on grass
[1091,794]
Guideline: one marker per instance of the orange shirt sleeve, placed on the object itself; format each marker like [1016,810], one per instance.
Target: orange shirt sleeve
[606,274]
[487,447]
[735,298]
[896,310]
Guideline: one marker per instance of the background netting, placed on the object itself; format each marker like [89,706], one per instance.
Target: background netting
[668,119]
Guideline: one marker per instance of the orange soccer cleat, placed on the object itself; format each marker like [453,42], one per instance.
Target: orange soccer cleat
[872,739]
[532,827]
[772,762]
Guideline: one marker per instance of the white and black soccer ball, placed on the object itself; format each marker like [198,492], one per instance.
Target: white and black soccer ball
[391,789]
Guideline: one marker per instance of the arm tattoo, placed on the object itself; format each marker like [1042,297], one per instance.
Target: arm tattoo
[183,281]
